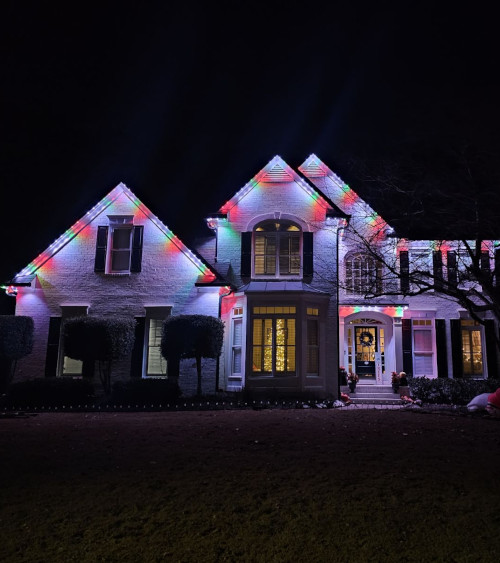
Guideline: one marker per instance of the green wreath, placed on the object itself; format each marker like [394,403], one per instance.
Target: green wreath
[366,339]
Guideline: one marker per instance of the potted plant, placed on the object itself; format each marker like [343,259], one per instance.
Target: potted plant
[352,380]
[395,381]
[342,375]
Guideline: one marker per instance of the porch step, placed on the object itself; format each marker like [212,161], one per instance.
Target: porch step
[372,394]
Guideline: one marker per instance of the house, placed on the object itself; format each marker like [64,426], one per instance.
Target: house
[397,329]
[305,275]
[119,259]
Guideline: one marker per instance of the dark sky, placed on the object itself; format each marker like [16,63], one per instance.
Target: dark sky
[185,102]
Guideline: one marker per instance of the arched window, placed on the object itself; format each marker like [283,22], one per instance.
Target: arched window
[363,273]
[277,249]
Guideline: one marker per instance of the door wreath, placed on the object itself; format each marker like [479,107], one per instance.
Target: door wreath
[366,339]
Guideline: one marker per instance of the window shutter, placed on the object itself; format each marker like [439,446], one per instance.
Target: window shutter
[491,348]
[451,259]
[100,250]
[441,348]
[497,267]
[135,262]
[407,347]
[138,350]
[404,271]
[246,254]
[308,264]
[456,348]
[485,261]
[437,267]
[52,347]
[88,368]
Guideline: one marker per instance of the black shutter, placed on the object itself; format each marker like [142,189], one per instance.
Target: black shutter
[307,253]
[497,267]
[441,348]
[52,354]
[135,262]
[451,260]
[404,271]
[100,249]
[491,348]
[456,348]
[246,254]
[485,261]
[407,346]
[437,268]
[138,350]
[88,368]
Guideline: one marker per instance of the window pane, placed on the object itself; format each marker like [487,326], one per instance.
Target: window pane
[71,366]
[120,260]
[121,238]
[156,363]
[423,364]
[236,360]
[422,340]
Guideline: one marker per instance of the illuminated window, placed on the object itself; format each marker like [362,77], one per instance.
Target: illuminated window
[363,273]
[273,342]
[472,348]
[155,363]
[277,249]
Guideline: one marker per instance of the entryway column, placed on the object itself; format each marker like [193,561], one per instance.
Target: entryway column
[398,342]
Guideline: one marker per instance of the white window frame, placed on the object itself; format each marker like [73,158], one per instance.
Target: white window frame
[470,328]
[279,237]
[157,314]
[119,223]
[424,325]
[364,282]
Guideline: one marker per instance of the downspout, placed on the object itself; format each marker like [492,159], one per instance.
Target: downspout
[217,362]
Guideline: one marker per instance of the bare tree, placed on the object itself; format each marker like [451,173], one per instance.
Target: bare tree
[442,204]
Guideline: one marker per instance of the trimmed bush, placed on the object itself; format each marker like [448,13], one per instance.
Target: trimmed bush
[99,338]
[50,392]
[16,341]
[449,391]
[16,336]
[146,392]
[191,336]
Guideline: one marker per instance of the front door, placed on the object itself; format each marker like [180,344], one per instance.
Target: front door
[366,347]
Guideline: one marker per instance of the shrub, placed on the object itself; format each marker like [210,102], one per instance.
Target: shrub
[191,336]
[146,391]
[16,336]
[99,338]
[449,391]
[50,392]
[16,341]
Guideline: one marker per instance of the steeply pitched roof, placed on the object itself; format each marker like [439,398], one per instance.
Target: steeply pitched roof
[208,274]
[340,193]
[277,171]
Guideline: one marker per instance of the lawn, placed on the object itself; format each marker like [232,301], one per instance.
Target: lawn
[271,485]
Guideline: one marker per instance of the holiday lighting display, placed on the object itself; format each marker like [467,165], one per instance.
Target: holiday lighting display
[80,225]
[264,177]
[389,310]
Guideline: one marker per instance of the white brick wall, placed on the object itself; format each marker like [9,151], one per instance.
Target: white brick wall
[168,277]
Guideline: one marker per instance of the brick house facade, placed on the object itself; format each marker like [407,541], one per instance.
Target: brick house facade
[282,270]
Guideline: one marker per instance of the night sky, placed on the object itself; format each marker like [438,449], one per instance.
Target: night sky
[185,102]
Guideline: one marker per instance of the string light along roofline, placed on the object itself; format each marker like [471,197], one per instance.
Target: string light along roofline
[96,210]
[261,176]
